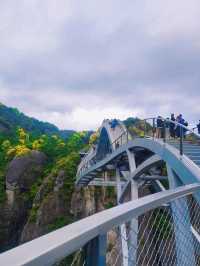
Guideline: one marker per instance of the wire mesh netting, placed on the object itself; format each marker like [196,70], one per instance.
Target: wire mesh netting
[164,236]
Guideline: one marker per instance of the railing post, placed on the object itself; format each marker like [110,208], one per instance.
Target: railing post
[95,251]
[181,140]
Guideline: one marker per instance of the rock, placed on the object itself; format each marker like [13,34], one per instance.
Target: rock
[53,207]
[23,171]
[112,248]
[50,205]
[12,219]
[21,174]
[83,202]
[59,181]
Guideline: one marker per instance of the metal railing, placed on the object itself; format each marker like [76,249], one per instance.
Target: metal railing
[181,133]
[122,139]
[171,130]
[119,141]
[91,235]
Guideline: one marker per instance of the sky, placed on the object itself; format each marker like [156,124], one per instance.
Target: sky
[74,63]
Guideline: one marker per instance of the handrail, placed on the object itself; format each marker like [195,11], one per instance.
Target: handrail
[110,149]
[50,248]
[118,140]
[182,130]
[120,137]
[175,123]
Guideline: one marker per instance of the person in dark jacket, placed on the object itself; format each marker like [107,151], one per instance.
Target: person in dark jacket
[159,128]
[181,121]
[198,127]
[184,129]
[177,130]
[172,126]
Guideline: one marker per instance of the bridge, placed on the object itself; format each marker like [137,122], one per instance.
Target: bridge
[157,217]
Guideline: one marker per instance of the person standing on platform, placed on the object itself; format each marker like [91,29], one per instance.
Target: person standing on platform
[159,127]
[172,126]
[198,127]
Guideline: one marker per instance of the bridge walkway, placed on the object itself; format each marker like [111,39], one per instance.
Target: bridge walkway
[159,229]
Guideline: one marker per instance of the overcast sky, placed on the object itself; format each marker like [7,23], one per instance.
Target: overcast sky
[75,63]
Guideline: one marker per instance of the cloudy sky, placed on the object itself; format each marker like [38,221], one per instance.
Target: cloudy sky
[75,63]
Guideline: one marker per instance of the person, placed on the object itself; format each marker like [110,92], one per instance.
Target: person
[117,145]
[159,127]
[177,129]
[198,127]
[181,121]
[167,128]
[172,126]
[184,129]
[114,123]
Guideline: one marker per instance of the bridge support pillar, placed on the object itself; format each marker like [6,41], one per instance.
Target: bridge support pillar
[183,236]
[122,228]
[134,222]
[95,251]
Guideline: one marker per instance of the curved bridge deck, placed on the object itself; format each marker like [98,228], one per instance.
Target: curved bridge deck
[186,166]
[159,229]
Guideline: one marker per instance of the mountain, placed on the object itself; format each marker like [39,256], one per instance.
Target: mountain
[136,126]
[38,164]
[11,118]
[37,175]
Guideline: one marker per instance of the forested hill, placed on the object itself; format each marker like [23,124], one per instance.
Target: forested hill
[10,118]
[37,175]
[38,165]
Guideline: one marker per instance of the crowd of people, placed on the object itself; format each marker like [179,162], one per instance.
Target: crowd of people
[172,126]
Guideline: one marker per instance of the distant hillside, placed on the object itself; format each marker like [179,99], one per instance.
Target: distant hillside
[136,126]
[10,118]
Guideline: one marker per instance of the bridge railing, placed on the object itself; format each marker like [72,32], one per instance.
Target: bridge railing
[169,130]
[159,229]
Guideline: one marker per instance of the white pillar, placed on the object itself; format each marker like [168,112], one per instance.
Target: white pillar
[183,235]
[134,222]
[123,226]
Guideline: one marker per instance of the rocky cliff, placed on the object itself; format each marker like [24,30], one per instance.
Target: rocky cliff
[21,174]
[38,204]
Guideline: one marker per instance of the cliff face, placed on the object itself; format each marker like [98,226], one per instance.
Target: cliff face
[14,210]
[36,206]
[50,209]
[54,208]
[23,171]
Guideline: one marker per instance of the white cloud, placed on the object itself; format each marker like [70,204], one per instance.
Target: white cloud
[87,119]
[76,62]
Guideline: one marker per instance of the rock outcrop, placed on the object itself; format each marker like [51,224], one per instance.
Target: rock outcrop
[56,202]
[23,171]
[21,174]
[50,209]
